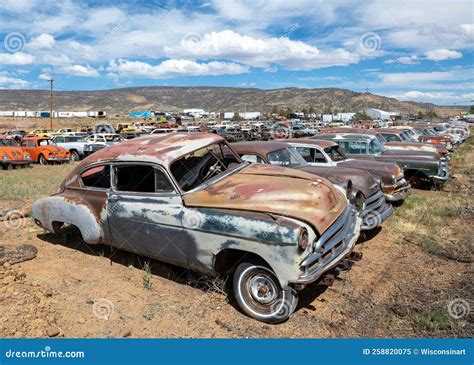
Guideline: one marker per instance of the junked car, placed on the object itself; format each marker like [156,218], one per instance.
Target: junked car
[12,155]
[98,141]
[418,166]
[74,144]
[362,189]
[44,150]
[180,199]
[327,153]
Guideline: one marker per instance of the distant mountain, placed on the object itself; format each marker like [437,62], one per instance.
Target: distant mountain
[219,99]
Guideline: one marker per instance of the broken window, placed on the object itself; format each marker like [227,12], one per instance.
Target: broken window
[97,177]
[142,178]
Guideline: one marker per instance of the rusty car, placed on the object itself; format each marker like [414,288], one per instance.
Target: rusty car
[12,155]
[327,153]
[362,189]
[180,199]
[418,166]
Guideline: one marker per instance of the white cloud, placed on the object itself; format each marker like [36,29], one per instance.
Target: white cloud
[406,60]
[43,41]
[18,58]
[261,52]
[77,70]
[12,83]
[435,97]
[409,78]
[172,68]
[442,54]
[44,76]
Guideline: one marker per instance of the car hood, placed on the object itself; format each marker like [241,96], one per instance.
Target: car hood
[361,180]
[414,155]
[274,190]
[417,146]
[12,153]
[384,170]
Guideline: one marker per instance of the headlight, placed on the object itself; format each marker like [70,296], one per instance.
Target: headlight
[27,157]
[394,180]
[303,239]
[355,197]
[4,157]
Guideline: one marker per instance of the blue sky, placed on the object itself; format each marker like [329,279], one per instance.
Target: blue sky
[411,50]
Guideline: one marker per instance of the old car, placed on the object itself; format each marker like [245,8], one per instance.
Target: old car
[74,144]
[396,139]
[44,150]
[365,190]
[12,155]
[327,153]
[178,198]
[417,166]
[99,141]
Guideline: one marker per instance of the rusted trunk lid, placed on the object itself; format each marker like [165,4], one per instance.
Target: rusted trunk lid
[277,190]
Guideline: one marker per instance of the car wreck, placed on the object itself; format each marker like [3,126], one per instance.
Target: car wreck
[418,166]
[362,190]
[181,199]
[327,153]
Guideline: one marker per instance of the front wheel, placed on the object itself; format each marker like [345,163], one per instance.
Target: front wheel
[42,160]
[259,294]
[75,156]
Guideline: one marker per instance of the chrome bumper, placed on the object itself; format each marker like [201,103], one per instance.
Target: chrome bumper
[333,245]
[443,176]
[58,159]
[401,194]
[15,161]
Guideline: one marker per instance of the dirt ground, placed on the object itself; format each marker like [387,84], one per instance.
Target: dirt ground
[415,278]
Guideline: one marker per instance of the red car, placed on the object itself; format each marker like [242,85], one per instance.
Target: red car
[12,155]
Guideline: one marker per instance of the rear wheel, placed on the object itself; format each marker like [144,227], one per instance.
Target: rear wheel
[42,160]
[75,156]
[259,294]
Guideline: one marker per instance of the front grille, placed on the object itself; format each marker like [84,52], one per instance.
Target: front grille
[374,203]
[330,245]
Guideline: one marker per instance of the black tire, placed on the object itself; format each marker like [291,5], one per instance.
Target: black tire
[75,156]
[272,304]
[42,160]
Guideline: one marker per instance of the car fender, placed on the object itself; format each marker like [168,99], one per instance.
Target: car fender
[58,208]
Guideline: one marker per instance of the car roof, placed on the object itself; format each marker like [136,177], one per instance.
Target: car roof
[260,147]
[353,136]
[313,141]
[158,148]
[34,138]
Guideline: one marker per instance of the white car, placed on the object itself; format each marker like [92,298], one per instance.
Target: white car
[98,141]
[74,144]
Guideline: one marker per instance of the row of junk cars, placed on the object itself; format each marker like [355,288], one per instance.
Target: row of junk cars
[278,215]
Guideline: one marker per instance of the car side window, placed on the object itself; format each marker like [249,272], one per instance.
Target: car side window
[251,158]
[355,147]
[305,152]
[59,140]
[97,177]
[311,154]
[142,178]
[31,144]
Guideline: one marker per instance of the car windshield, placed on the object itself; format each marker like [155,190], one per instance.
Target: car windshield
[286,157]
[375,147]
[46,142]
[381,138]
[195,168]
[335,153]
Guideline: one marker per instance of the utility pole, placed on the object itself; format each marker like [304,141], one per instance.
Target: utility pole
[51,80]
[366,101]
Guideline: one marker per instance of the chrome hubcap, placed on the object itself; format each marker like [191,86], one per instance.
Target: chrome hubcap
[263,289]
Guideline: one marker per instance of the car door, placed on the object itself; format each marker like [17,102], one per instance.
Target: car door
[144,213]
[30,148]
